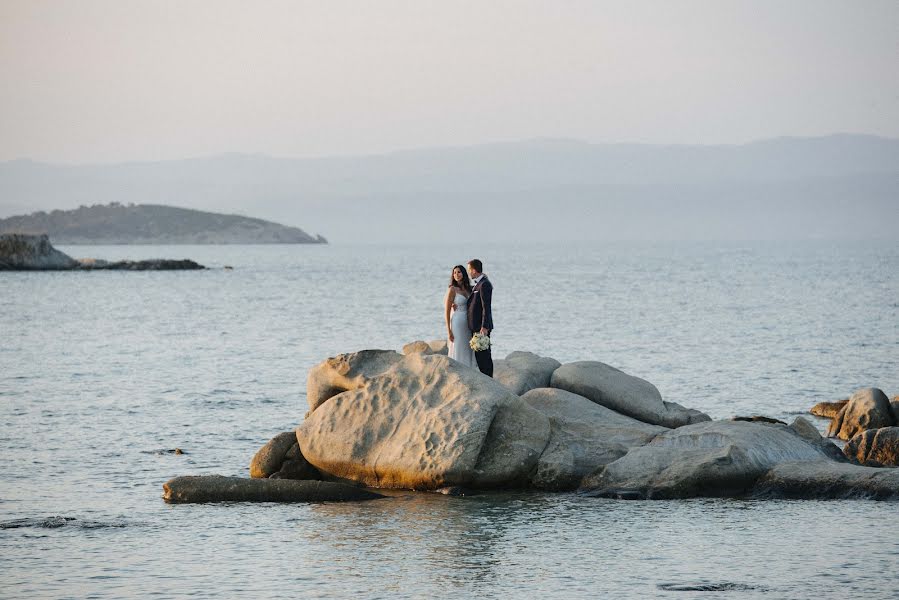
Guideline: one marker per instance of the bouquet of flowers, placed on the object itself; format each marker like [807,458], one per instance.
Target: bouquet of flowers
[479,342]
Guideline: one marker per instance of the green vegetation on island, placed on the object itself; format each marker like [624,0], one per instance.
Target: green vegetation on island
[153,224]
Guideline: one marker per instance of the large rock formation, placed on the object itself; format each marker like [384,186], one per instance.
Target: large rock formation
[523,371]
[868,408]
[584,436]
[720,458]
[428,422]
[623,393]
[346,372]
[875,447]
[218,488]
[21,252]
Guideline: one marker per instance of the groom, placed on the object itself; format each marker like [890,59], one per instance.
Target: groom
[480,317]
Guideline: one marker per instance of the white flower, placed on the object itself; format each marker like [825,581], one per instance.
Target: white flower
[479,342]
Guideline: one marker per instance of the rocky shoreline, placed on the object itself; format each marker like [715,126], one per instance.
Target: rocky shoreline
[421,421]
[24,252]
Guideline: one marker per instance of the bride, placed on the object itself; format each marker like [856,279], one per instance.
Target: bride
[458,333]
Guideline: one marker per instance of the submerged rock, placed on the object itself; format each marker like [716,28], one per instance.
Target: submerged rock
[719,458]
[23,252]
[584,437]
[868,408]
[825,480]
[426,423]
[218,488]
[523,371]
[875,447]
[623,393]
[346,372]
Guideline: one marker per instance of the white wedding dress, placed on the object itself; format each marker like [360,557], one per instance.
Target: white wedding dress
[460,350]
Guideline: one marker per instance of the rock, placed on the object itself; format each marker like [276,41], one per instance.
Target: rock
[155,264]
[828,410]
[584,437]
[346,372]
[517,437]
[875,447]
[270,457]
[622,393]
[218,488]
[759,419]
[23,252]
[426,423]
[295,466]
[894,408]
[523,371]
[825,480]
[719,458]
[281,458]
[809,432]
[422,347]
[806,429]
[868,408]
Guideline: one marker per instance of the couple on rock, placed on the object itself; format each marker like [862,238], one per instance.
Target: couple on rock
[468,312]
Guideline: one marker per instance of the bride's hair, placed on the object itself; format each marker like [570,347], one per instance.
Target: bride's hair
[465,283]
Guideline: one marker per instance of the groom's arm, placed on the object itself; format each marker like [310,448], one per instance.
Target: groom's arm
[486,301]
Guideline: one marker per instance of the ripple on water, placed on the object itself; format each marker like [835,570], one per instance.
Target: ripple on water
[58,521]
[710,587]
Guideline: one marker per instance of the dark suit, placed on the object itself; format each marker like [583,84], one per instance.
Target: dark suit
[480,315]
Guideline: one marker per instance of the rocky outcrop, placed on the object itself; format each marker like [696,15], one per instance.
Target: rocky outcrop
[281,458]
[584,436]
[868,408]
[825,480]
[155,264]
[720,458]
[21,252]
[524,371]
[623,393]
[426,423]
[828,410]
[422,347]
[346,372]
[218,488]
[875,447]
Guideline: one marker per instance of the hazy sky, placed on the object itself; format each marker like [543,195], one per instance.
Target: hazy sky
[112,80]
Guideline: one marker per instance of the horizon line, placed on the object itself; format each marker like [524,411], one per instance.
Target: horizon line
[445,147]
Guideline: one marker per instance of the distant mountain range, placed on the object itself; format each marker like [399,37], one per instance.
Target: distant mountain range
[836,186]
[152,224]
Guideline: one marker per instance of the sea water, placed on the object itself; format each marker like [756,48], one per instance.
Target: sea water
[104,374]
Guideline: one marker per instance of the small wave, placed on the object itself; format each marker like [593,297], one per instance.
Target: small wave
[57,521]
[709,587]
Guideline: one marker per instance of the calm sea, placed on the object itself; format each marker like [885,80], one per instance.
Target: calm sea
[102,374]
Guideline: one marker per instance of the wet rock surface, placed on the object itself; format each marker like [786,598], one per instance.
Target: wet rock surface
[218,488]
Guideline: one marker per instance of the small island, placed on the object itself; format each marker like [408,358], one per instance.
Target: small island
[116,223]
[23,252]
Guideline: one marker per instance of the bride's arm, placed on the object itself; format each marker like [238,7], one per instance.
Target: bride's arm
[450,296]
